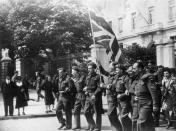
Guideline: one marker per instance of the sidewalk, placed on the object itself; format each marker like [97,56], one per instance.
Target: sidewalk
[34,109]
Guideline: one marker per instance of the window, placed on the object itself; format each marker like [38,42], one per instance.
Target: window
[133,20]
[120,25]
[150,15]
[171,9]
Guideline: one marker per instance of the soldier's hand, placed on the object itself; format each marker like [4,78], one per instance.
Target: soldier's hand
[118,96]
[127,92]
[93,97]
[109,86]
[135,98]
[102,85]
[66,89]
[155,109]
[85,88]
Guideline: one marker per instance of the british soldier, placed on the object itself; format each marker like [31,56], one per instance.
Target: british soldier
[111,97]
[146,96]
[79,82]
[93,104]
[65,88]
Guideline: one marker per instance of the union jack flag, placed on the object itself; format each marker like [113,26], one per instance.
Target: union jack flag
[104,35]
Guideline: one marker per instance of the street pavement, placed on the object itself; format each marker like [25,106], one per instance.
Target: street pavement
[37,119]
[34,109]
[51,124]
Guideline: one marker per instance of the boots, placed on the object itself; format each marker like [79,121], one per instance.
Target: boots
[77,121]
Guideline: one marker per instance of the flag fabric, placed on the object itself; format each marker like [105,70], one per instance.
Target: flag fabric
[104,35]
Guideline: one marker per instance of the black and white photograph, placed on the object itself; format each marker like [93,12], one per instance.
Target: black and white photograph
[88,65]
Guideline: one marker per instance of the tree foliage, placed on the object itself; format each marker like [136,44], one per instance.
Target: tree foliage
[50,27]
[135,52]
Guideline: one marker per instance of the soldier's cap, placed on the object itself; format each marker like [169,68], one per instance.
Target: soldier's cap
[120,66]
[160,66]
[92,64]
[61,68]
[15,72]
[75,68]
[167,69]
[18,78]
[8,77]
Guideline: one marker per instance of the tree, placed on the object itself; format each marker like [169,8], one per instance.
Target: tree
[135,52]
[47,27]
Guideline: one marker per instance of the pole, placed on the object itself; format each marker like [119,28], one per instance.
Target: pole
[90,24]
[93,39]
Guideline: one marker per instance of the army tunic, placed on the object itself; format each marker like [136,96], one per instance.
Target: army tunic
[147,96]
[80,99]
[66,89]
[121,85]
[93,89]
[112,101]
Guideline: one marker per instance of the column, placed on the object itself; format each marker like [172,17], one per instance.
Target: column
[159,54]
[98,52]
[5,63]
[18,66]
[169,56]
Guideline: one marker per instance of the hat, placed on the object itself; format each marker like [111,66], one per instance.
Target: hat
[167,69]
[92,64]
[75,68]
[120,66]
[19,78]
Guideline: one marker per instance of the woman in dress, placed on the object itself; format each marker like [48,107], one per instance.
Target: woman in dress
[169,95]
[49,97]
[22,95]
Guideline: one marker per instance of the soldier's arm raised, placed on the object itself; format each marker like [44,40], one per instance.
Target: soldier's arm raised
[103,71]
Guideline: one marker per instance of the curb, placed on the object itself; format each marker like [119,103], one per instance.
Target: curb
[36,116]
[27,116]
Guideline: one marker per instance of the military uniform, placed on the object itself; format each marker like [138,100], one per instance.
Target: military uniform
[80,99]
[65,88]
[147,97]
[159,77]
[121,85]
[134,104]
[93,105]
[112,101]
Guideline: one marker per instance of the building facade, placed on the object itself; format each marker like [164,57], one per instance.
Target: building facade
[145,22]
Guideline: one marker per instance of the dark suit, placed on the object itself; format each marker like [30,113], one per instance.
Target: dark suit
[8,93]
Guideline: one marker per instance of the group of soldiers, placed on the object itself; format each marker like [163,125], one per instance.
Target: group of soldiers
[134,95]
[135,90]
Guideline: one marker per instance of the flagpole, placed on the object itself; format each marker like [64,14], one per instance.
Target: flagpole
[91,24]
[93,40]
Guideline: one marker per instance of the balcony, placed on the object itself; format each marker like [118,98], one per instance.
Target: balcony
[150,28]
